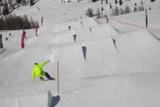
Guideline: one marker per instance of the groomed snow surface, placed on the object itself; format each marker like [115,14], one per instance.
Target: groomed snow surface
[100,64]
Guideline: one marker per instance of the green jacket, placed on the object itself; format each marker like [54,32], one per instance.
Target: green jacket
[38,70]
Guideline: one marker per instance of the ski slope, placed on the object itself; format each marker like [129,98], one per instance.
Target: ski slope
[124,73]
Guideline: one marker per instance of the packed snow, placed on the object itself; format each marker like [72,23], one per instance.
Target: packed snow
[120,67]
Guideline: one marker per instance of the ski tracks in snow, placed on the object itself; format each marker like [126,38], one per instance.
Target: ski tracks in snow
[106,85]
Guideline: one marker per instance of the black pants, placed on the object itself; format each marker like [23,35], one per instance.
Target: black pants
[47,75]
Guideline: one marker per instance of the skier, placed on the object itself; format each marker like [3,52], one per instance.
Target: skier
[39,72]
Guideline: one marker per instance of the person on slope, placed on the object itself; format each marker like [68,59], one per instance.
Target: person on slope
[39,72]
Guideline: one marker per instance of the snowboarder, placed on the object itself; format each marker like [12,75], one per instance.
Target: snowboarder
[39,72]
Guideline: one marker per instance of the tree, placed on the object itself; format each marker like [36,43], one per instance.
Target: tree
[13,22]
[127,9]
[89,12]
[6,9]
[102,2]
[10,2]
[98,13]
[18,1]
[31,3]
[141,2]
[153,0]
[121,11]
[120,2]
[94,0]
[116,2]
[116,10]
[135,9]
[113,12]
[141,8]
[106,1]
[110,6]
[24,2]
[26,22]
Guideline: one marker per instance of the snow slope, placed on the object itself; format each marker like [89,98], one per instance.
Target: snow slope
[116,74]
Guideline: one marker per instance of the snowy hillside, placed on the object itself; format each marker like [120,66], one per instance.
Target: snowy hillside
[119,69]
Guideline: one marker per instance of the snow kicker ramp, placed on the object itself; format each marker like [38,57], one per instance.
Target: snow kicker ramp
[130,51]
[71,53]
[28,99]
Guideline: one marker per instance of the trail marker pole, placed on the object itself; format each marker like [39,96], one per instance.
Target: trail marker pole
[42,21]
[146,19]
[58,77]
[36,29]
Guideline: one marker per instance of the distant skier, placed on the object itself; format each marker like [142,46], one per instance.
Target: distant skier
[39,72]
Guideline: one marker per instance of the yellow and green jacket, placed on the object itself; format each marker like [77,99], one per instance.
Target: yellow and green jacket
[38,70]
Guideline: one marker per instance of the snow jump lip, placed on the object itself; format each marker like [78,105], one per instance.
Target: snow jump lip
[40,100]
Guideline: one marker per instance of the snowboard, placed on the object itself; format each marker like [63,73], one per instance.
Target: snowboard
[50,79]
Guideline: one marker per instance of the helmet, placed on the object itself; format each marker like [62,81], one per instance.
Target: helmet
[35,63]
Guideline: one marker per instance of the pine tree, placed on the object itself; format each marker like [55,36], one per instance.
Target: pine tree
[116,11]
[106,1]
[127,9]
[113,12]
[110,6]
[89,12]
[102,2]
[121,11]
[116,2]
[98,13]
[120,2]
[19,1]
[6,9]
[135,9]
[153,0]
[31,3]
[24,2]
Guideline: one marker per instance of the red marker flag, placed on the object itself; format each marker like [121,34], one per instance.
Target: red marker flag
[22,41]
[42,21]
[36,29]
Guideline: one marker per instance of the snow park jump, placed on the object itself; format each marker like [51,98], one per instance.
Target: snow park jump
[103,61]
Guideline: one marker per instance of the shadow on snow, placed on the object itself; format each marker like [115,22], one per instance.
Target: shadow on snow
[55,101]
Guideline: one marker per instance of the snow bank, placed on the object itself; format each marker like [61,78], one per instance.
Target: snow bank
[40,100]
